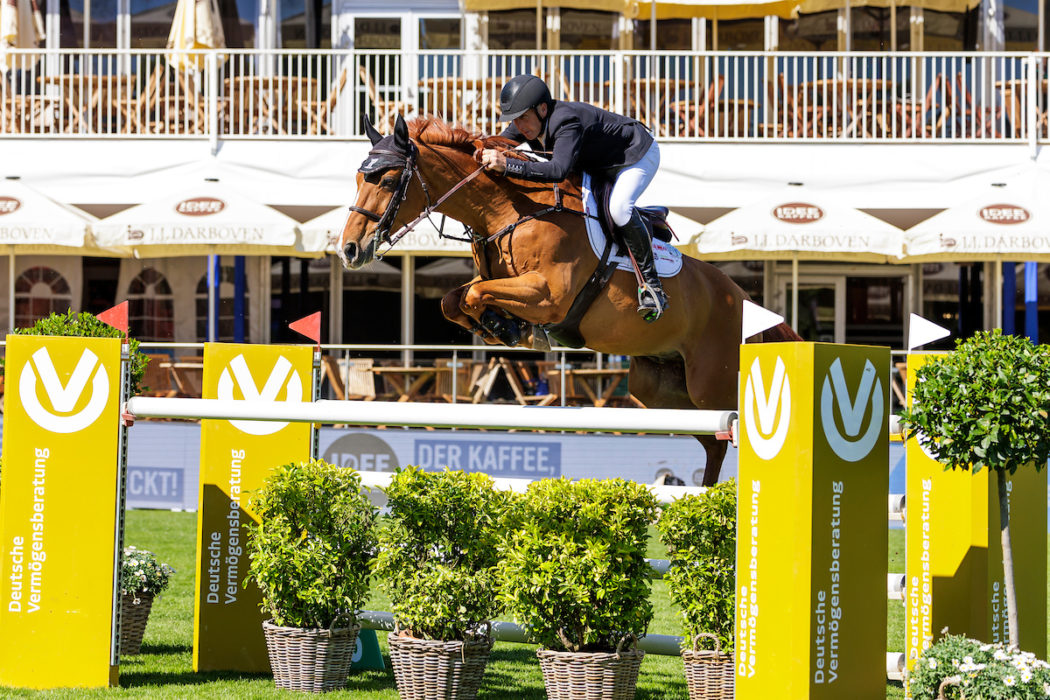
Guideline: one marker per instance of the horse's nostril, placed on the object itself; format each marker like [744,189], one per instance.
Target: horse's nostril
[350,251]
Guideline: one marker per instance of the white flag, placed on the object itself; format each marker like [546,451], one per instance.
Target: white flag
[757,319]
[921,331]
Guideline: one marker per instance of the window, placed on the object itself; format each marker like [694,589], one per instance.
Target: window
[103,23]
[293,25]
[440,33]
[1021,20]
[739,35]
[225,294]
[151,307]
[587,30]
[671,35]
[377,32]
[515,29]
[38,292]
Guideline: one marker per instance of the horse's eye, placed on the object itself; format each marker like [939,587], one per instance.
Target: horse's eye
[389,183]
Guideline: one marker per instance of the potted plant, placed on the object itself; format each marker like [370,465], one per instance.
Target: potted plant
[574,573]
[142,578]
[700,535]
[83,324]
[439,549]
[312,553]
[986,405]
[956,667]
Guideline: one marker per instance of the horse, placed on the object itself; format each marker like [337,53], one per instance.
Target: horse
[530,246]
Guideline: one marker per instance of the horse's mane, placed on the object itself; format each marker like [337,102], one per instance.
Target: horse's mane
[435,132]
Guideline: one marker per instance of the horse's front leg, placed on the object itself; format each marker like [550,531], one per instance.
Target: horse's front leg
[451,308]
[498,304]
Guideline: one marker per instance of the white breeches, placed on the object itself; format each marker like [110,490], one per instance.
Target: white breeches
[630,184]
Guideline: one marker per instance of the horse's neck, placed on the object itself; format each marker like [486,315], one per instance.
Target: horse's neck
[487,203]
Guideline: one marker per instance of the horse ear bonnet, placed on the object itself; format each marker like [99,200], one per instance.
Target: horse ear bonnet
[383,156]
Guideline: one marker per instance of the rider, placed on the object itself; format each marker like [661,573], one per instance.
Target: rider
[582,137]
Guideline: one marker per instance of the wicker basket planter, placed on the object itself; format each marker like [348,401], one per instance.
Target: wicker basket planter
[708,674]
[570,675]
[310,659]
[134,612]
[430,669]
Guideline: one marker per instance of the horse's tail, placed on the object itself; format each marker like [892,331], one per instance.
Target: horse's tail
[780,333]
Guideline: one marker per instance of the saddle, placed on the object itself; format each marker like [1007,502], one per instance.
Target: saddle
[655,218]
[567,331]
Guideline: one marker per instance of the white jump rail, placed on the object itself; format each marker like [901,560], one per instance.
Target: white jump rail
[654,421]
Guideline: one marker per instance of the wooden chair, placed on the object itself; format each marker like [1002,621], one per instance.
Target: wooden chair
[319,111]
[512,370]
[467,375]
[695,116]
[386,109]
[353,382]
[157,380]
[486,378]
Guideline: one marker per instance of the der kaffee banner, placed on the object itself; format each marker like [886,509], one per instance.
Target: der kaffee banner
[58,512]
[236,457]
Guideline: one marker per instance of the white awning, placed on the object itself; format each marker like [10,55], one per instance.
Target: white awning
[204,218]
[33,223]
[322,234]
[799,222]
[998,215]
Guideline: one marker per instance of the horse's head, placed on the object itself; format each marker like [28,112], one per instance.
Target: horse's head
[384,200]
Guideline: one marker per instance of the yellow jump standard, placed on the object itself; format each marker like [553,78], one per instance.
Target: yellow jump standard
[812,527]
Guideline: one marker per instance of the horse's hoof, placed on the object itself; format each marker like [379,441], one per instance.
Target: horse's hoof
[506,330]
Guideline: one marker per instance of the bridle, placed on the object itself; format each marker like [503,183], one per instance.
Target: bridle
[382,158]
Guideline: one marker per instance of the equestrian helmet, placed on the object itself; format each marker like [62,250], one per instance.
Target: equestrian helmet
[520,94]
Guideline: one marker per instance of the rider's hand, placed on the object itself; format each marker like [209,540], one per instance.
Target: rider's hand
[492,159]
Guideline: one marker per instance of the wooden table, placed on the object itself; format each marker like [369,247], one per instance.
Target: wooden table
[408,382]
[94,102]
[843,103]
[593,382]
[273,104]
[188,377]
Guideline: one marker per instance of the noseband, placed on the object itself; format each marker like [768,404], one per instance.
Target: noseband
[381,158]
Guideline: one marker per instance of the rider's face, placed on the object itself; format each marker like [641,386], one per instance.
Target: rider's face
[529,123]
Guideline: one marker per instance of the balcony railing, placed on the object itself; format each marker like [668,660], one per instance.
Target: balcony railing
[686,96]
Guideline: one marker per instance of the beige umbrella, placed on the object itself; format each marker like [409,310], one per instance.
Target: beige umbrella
[21,27]
[197,24]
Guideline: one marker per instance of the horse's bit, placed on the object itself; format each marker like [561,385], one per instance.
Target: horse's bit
[385,158]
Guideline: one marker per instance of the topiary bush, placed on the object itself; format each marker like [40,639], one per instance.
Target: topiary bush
[313,548]
[699,533]
[986,405]
[86,325]
[439,549]
[574,569]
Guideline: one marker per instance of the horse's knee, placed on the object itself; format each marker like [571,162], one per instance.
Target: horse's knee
[450,306]
[472,299]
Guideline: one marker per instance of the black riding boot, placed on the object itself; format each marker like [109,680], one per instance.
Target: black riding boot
[652,301]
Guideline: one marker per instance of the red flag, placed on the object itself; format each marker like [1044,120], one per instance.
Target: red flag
[310,326]
[116,317]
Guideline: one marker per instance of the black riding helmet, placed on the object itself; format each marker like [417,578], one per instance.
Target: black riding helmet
[520,94]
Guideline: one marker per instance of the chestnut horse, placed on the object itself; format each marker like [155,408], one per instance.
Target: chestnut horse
[688,358]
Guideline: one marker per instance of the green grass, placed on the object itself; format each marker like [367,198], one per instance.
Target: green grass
[164,669]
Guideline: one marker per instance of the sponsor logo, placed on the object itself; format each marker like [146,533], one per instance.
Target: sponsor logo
[852,446]
[200,206]
[363,452]
[1004,214]
[738,240]
[767,430]
[63,399]
[9,205]
[798,213]
[237,375]
[136,234]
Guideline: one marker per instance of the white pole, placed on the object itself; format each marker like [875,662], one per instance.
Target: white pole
[659,421]
[652,25]
[11,290]
[794,294]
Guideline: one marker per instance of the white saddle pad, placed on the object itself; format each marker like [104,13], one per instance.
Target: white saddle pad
[668,259]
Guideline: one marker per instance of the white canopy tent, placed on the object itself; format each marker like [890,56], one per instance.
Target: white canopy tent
[33,224]
[322,235]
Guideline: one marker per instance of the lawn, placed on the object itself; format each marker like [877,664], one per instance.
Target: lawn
[164,669]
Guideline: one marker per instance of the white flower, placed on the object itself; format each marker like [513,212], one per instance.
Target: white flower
[986,647]
[933,663]
[1009,680]
[955,663]
[1046,689]
[1026,676]
[968,660]
[1001,655]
